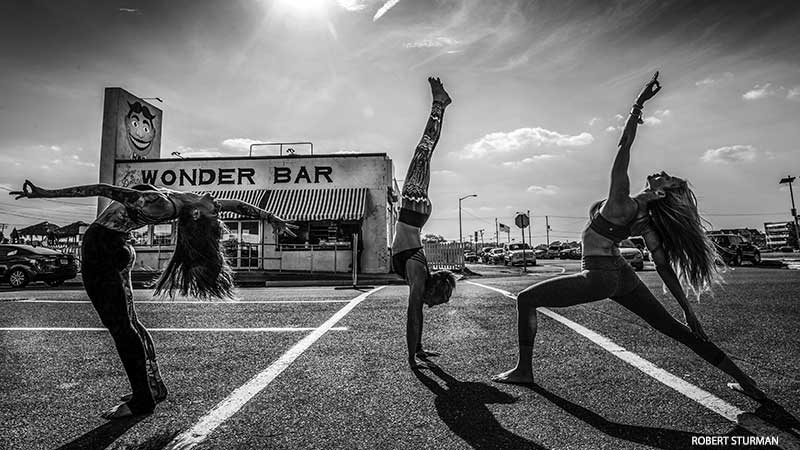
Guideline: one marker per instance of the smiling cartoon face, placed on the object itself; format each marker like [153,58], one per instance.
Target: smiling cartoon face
[140,130]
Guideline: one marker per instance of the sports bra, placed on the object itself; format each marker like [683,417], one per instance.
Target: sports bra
[615,232]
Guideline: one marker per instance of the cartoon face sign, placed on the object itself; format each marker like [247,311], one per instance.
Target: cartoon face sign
[140,130]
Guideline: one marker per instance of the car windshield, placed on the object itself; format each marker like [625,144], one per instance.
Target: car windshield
[517,246]
[627,243]
[721,240]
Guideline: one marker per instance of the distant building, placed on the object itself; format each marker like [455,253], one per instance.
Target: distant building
[756,237]
[780,234]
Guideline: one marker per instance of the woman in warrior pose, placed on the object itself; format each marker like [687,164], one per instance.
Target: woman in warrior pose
[665,214]
[198,268]
[408,257]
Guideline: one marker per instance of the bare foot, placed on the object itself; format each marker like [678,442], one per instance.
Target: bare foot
[439,94]
[749,390]
[514,376]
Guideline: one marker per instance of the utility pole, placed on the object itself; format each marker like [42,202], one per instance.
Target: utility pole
[481,230]
[547,227]
[790,179]
[496,233]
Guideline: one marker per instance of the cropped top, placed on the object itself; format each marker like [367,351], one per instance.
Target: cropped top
[152,210]
[615,232]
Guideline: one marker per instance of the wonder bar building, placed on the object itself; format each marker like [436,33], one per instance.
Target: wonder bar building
[344,204]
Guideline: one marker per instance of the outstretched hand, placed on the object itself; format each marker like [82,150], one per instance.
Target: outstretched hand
[439,94]
[29,190]
[283,227]
[650,90]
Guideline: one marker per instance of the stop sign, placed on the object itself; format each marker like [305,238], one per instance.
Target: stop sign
[522,220]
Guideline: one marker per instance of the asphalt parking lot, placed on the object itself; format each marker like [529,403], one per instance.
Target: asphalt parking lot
[317,367]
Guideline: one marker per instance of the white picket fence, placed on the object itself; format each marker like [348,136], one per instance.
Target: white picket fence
[444,255]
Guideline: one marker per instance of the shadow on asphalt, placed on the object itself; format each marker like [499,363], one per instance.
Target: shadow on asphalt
[462,407]
[102,436]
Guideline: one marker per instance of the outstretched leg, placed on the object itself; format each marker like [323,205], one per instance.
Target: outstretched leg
[643,303]
[569,290]
[415,187]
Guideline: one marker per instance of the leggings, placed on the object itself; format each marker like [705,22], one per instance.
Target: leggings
[607,277]
[106,264]
[415,187]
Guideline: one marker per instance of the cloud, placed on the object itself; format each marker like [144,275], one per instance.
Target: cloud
[240,144]
[532,159]
[593,120]
[505,142]
[441,41]
[352,5]
[129,10]
[731,154]
[794,93]
[657,117]
[710,81]
[55,148]
[550,189]
[759,92]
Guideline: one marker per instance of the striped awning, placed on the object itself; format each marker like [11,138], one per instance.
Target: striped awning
[252,196]
[318,204]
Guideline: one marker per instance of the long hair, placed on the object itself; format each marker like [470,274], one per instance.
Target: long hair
[440,285]
[198,266]
[686,245]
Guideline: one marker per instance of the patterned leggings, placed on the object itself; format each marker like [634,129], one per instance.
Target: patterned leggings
[415,187]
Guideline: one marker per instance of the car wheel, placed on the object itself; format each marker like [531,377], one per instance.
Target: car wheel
[54,283]
[756,258]
[18,278]
[737,260]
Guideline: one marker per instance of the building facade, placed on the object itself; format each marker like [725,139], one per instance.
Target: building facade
[344,205]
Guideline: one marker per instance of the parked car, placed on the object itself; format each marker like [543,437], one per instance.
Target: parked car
[470,257]
[638,241]
[570,253]
[553,251]
[519,254]
[485,255]
[497,255]
[632,254]
[734,249]
[23,264]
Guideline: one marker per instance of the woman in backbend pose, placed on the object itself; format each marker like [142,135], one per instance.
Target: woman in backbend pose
[408,257]
[198,268]
[665,214]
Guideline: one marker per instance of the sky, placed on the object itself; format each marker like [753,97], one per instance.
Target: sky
[540,90]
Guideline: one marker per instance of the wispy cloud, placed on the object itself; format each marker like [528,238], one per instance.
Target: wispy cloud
[710,81]
[731,154]
[657,117]
[240,144]
[794,93]
[441,41]
[504,142]
[550,189]
[384,9]
[759,92]
[352,5]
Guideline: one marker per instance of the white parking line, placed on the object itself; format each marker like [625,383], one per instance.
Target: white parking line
[238,398]
[193,330]
[745,420]
[182,302]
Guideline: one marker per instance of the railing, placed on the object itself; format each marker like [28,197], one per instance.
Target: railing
[444,255]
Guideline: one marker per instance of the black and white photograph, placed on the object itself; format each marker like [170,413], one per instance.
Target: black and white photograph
[399,224]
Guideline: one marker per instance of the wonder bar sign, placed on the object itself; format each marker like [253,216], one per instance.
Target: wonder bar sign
[221,174]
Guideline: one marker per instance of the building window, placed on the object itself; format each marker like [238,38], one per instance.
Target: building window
[320,235]
[242,243]
[162,234]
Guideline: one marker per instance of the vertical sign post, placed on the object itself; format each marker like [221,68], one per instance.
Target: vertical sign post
[522,220]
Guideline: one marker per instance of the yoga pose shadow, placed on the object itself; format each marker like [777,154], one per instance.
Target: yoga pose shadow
[102,436]
[655,437]
[462,407]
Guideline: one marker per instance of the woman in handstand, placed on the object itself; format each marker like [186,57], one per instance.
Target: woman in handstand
[197,268]
[665,214]
[408,257]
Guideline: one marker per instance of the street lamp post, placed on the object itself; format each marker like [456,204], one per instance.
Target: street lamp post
[789,180]
[460,235]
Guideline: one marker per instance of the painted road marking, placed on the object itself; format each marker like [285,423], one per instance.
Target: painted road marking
[239,397]
[748,421]
[182,302]
[194,330]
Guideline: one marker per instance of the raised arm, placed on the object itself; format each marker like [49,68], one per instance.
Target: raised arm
[246,209]
[667,274]
[620,183]
[123,195]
